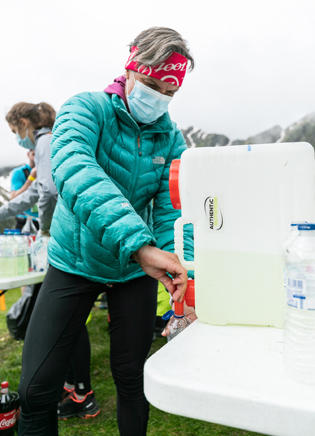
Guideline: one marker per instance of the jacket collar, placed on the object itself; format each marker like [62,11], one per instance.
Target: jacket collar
[42,131]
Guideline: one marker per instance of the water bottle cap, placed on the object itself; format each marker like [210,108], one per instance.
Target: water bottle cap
[308,226]
[5,385]
[296,223]
[168,315]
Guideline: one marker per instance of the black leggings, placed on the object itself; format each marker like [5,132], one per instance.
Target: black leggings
[61,309]
[79,370]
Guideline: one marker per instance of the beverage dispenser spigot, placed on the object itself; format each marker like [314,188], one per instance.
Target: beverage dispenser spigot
[189,299]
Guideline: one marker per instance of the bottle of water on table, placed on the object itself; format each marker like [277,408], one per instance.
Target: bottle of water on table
[177,320]
[293,234]
[9,254]
[22,253]
[299,326]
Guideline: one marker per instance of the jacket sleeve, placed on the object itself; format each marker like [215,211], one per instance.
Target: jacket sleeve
[47,192]
[20,203]
[17,179]
[89,193]
[164,215]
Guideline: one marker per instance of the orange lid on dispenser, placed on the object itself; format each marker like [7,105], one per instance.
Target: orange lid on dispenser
[173,183]
[190,293]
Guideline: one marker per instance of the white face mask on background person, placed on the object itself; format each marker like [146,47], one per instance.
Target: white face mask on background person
[145,104]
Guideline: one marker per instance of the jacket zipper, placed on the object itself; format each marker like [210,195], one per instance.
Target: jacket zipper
[136,167]
[139,150]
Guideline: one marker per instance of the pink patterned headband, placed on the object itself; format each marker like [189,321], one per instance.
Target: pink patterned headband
[172,70]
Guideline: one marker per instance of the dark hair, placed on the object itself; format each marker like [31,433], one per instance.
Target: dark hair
[40,115]
[157,43]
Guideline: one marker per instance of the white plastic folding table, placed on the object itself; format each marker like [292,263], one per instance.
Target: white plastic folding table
[7,283]
[30,278]
[233,376]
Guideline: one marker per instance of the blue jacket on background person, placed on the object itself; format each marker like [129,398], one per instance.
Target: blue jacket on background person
[19,176]
[107,169]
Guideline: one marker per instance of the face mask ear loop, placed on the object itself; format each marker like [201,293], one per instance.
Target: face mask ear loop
[128,82]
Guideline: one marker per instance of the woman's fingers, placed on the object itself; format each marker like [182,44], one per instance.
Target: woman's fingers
[165,332]
[160,264]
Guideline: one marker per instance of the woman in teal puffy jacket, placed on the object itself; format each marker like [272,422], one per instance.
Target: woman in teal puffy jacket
[111,153]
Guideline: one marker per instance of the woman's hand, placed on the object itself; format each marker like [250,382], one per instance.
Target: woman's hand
[190,313]
[156,263]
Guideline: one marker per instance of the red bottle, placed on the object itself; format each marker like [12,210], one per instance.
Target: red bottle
[7,411]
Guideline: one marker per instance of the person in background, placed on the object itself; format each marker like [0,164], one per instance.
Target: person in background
[32,125]
[21,179]
[111,152]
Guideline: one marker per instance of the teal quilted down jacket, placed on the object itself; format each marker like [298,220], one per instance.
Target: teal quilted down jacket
[112,182]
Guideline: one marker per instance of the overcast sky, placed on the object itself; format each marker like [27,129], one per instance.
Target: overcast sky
[254,69]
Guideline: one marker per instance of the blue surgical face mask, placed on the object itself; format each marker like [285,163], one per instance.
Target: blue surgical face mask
[145,104]
[25,142]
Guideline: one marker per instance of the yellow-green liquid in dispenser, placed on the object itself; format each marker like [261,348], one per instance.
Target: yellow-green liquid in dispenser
[239,288]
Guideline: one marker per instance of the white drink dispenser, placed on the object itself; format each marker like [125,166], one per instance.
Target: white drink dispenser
[241,201]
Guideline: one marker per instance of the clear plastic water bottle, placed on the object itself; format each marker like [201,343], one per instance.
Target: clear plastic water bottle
[291,237]
[40,253]
[177,320]
[22,254]
[29,227]
[30,239]
[2,243]
[9,253]
[293,234]
[299,325]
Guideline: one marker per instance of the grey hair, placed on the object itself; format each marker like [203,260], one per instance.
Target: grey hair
[157,43]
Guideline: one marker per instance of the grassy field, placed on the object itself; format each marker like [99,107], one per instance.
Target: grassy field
[160,423]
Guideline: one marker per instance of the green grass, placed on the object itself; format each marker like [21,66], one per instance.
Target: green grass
[160,423]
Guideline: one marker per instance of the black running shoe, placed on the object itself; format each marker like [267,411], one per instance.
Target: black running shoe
[72,406]
[65,393]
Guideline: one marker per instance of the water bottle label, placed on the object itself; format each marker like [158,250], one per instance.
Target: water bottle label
[297,295]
